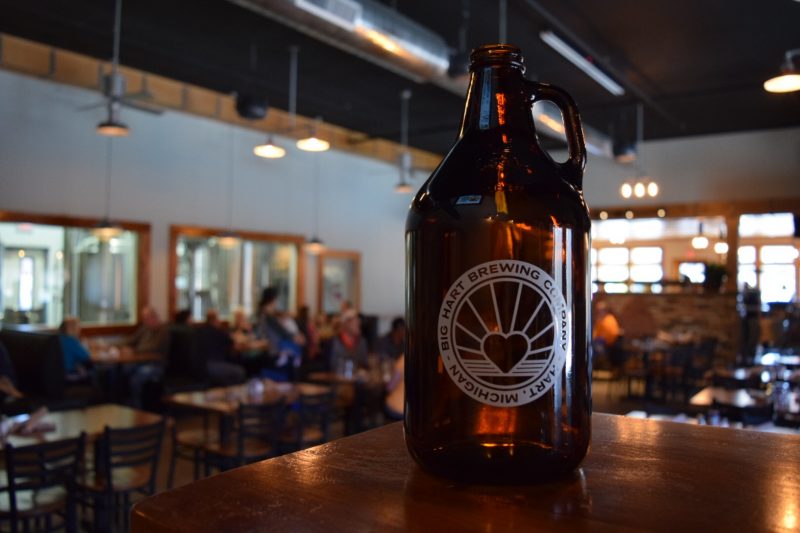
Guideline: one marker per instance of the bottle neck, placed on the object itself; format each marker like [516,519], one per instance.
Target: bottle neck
[498,101]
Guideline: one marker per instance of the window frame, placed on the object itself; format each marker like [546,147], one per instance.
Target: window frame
[629,282]
[758,243]
[178,230]
[143,240]
[338,254]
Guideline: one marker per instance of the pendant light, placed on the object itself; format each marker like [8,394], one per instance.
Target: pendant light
[315,246]
[721,246]
[269,150]
[403,186]
[700,241]
[312,143]
[228,239]
[641,186]
[105,229]
[113,126]
[789,79]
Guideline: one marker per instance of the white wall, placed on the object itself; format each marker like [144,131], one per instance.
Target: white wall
[173,170]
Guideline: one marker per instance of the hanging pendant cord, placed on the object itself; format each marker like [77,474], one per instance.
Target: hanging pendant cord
[316,196]
[229,214]
[294,52]
[117,32]
[109,157]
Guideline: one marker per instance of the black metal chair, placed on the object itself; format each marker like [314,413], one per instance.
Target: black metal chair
[258,431]
[126,464]
[189,445]
[308,422]
[41,485]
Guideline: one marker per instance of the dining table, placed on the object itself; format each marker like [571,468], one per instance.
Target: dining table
[639,475]
[737,398]
[224,402]
[90,420]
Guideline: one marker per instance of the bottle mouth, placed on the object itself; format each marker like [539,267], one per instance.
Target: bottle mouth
[496,54]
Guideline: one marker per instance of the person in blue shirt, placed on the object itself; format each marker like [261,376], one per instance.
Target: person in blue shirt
[76,358]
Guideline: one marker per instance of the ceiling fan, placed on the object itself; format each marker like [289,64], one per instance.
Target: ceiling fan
[113,87]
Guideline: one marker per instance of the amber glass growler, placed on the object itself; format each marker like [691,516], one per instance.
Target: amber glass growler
[498,385]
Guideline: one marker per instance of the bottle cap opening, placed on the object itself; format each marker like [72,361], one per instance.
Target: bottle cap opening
[497,54]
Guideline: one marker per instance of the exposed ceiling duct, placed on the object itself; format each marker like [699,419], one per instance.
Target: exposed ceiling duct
[383,36]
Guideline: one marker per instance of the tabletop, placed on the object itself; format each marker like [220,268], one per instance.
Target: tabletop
[122,357]
[91,420]
[741,398]
[639,474]
[226,400]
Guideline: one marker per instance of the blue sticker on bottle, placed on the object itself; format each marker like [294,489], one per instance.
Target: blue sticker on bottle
[471,199]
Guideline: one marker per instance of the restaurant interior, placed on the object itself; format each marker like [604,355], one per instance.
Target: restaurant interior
[203,207]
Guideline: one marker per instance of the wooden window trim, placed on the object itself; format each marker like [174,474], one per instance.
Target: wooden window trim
[142,265]
[176,231]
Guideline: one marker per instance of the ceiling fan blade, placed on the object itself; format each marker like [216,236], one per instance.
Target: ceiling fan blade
[88,107]
[141,106]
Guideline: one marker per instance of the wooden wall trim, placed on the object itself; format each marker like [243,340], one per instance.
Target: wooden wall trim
[46,62]
[703,209]
[177,230]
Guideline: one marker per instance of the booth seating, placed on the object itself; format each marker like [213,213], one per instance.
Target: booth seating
[38,365]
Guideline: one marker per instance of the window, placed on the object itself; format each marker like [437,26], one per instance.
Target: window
[771,268]
[212,270]
[621,269]
[338,280]
[694,271]
[60,266]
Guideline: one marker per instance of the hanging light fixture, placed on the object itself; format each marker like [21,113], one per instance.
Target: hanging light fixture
[721,246]
[312,143]
[789,79]
[403,186]
[269,150]
[700,241]
[105,229]
[228,239]
[112,126]
[314,245]
[642,185]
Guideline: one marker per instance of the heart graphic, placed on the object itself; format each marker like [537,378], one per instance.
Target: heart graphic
[505,351]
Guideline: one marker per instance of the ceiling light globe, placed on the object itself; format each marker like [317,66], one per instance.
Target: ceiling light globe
[700,242]
[721,247]
[639,190]
[269,151]
[629,215]
[313,144]
[785,83]
[603,215]
[652,189]
[112,129]
[626,190]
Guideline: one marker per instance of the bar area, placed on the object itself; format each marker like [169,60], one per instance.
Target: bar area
[393,265]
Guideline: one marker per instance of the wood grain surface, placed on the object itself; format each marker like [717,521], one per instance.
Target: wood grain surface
[639,475]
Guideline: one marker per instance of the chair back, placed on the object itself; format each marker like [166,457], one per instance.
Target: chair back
[137,447]
[314,411]
[42,466]
[262,422]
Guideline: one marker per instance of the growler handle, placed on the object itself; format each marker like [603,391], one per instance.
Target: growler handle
[576,146]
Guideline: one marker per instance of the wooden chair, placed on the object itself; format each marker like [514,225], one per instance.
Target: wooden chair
[41,485]
[309,422]
[189,445]
[126,463]
[257,437]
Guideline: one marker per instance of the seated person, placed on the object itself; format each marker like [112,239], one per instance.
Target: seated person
[349,348]
[76,358]
[216,345]
[284,338]
[152,335]
[392,345]
[395,391]
[605,333]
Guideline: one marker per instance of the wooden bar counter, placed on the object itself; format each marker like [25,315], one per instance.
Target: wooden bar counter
[639,475]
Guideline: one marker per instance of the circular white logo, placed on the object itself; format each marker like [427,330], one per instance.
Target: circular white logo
[504,329]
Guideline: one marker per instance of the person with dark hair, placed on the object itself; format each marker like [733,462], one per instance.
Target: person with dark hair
[216,345]
[349,348]
[183,317]
[76,358]
[392,345]
[285,341]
